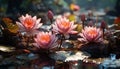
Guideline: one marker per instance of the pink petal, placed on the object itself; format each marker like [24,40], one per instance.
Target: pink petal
[22,28]
[38,21]
[35,44]
[53,40]
[22,18]
[37,26]
[73,32]
[34,18]
[27,16]
[82,40]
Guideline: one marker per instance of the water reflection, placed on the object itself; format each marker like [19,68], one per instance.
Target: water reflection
[23,60]
[111,63]
[68,65]
[113,56]
[40,61]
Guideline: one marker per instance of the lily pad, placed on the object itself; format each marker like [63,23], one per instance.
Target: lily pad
[69,56]
[108,63]
[30,56]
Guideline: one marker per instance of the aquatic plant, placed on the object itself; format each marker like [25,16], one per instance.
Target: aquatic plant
[29,24]
[91,34]
[45,40]
[50,15]
[64,26]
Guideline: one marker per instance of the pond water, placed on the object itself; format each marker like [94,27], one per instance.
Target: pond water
[22,59]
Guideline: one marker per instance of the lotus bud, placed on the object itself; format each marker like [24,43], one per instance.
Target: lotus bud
[50,14]
[103,24]
[83,18]
[76,8]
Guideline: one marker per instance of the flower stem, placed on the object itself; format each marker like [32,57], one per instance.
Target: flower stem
[83,24]
[103,30]
[61,41]
[28,41]
[51,21]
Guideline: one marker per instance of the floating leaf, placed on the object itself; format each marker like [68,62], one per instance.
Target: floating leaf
[69,55]
[13,28]
[79,27]
[71,17]
[30,56]
[7,20]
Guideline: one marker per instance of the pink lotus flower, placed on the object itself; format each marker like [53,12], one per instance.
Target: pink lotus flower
[45,40]
[29,24]
[91,34]
[64,26]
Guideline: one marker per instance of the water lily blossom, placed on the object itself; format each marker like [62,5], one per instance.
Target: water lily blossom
[45,40]
[29,24]
[91,34]
[64,26]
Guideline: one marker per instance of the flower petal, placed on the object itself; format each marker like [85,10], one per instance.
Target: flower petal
[21,27]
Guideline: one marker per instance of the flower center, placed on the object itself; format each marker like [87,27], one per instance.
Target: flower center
[29,23]
[65,24]
[92,32]
[45,38]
